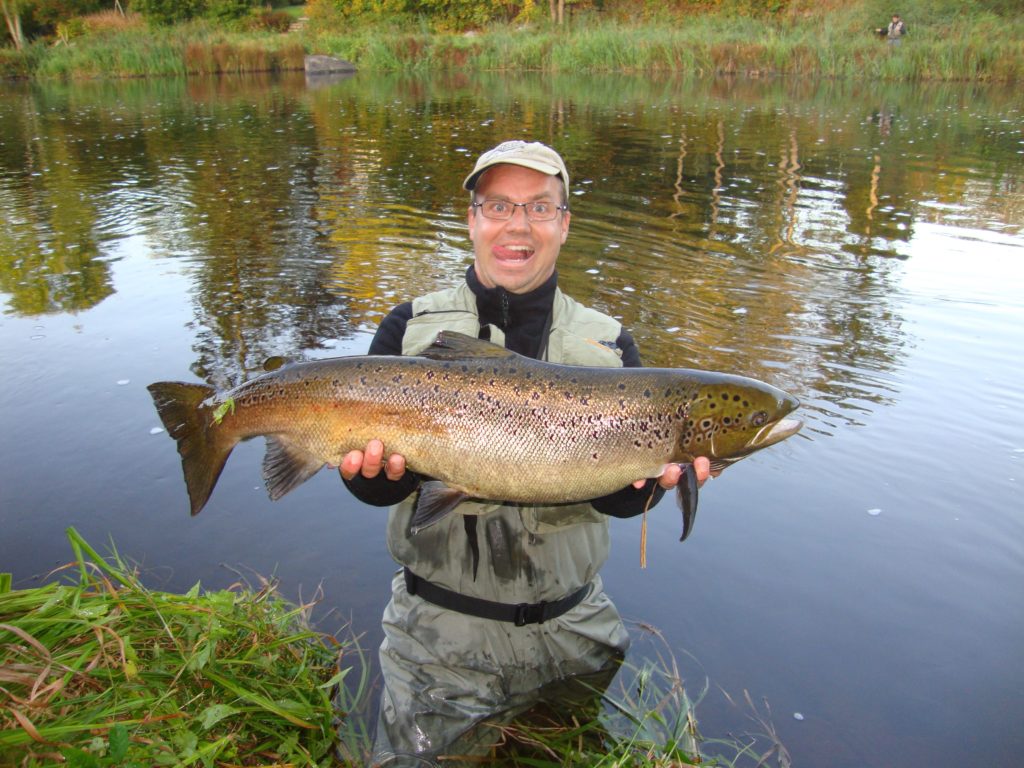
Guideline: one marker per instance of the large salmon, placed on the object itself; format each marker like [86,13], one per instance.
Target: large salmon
[481,421]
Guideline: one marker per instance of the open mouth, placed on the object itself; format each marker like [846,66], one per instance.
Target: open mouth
[513,253]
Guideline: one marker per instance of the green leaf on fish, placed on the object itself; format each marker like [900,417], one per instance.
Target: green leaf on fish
[222,410]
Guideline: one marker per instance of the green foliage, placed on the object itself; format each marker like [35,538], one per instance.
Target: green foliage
[47,14]
[228,10]
[439,15]
[111,673]
[168,11]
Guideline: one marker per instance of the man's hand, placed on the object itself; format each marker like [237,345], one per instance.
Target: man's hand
[673,472]
[370,462]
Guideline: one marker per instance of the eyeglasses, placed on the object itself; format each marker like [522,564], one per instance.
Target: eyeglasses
[503,210]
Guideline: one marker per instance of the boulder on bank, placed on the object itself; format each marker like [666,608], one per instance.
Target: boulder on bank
[319,64]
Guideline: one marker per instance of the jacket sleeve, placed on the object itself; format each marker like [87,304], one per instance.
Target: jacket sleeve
[379,491]
[629,501]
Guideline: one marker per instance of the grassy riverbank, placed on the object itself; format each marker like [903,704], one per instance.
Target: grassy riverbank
[99,671]
[967,40]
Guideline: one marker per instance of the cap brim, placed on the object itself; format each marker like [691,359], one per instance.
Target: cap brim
[545,168]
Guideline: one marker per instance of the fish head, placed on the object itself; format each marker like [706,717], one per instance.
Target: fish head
[733,416]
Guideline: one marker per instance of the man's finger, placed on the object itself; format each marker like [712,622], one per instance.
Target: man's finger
[373,459]
[395,466]
[351,464]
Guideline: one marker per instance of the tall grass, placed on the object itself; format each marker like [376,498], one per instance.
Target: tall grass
[842,45]
[948,41]
[137,51]
[101,671]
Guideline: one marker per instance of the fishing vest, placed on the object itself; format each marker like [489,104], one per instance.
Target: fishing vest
[521,553]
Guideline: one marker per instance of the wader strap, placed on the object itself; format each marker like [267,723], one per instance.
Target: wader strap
[520,615]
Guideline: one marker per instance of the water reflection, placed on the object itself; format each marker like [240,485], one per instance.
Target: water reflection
[717,218]
[856,244]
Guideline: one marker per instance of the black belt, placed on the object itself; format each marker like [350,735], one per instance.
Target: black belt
[520,614]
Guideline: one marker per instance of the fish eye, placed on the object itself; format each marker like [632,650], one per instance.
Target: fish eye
[759,419]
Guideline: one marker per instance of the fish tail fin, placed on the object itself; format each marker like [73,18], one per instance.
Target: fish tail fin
[203,447]
[686,495]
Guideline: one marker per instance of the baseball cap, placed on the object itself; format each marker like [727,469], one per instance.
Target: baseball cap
[529,154]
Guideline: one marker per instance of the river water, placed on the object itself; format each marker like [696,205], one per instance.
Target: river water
[859,245]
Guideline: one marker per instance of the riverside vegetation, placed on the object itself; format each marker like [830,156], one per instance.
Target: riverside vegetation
[99,671]
[948,40]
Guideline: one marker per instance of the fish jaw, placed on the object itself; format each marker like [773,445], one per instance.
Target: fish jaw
[775,433]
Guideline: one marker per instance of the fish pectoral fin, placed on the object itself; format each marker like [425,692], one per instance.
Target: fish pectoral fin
[686,495]
[451,345]
[285,466]
[719,465]
[435,502]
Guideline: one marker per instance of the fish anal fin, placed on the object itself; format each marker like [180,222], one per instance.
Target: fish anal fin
[435,502]
[451,345]
[686,495]
[286,466]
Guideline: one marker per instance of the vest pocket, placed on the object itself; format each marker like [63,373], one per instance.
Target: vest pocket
[541,520]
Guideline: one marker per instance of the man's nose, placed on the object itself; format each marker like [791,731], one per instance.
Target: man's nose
[519,221]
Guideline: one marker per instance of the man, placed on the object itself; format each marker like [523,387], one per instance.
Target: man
[895,31]
[493,605]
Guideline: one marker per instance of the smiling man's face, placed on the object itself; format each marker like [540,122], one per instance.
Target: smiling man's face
[518,254]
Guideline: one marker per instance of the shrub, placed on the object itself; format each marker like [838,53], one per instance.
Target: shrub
[168,11]
[270,21]
[228,10]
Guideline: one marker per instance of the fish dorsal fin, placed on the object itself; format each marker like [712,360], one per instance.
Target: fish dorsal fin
[451,345]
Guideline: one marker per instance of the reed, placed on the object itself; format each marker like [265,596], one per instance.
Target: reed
[837,41]
[948,41]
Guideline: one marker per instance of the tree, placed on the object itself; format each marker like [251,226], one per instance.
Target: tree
[12,16]
[557,11]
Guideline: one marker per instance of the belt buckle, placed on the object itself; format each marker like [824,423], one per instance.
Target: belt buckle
[529,613]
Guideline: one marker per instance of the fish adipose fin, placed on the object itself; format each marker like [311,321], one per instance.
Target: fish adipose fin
[286,466]
[451,345]
[435,502]
[686,495]
[203,448]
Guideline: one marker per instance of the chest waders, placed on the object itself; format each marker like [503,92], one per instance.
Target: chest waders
[505,604]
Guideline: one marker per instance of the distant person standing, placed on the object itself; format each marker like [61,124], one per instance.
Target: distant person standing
[895,31]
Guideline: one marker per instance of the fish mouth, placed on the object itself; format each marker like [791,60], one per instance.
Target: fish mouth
[770,434]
